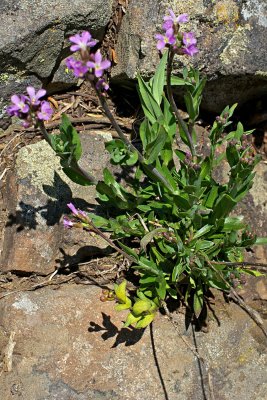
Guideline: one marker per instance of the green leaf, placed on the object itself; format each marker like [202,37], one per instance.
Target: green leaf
[261,241]
[223,206]
[150,107]
[252,272]
[158,80]
[153,149]
[75,176]
[144,131]
[233,224]
[145,321]
[129,251]
[205,168]
[120,291]
[189,102]
[147,266]
[198,301]
[177,270]
[141,306]
[205,229]
[123,306]
[69,133]
[131,320]
[150,236]
[203,244]
[161,287]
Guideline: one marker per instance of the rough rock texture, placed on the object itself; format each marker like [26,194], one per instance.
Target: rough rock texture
[231,38]
[36,195]
[33,37]
[69,345]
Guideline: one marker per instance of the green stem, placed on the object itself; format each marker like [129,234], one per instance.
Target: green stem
[174,107]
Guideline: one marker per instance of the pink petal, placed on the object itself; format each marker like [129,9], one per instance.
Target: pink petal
[31,91]
[90,64]
[98,57]
[15,99]
[40,93]
[105,64]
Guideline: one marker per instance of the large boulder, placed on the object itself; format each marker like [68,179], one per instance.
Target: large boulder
[35,196]
[33,37]
[65,344]
[231,38]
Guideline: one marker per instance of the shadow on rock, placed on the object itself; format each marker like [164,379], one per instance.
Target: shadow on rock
[54,198]
[124,335]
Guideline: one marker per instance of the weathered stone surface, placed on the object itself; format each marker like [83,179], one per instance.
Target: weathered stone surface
[35,196]
[33,37]
[69,345]
[231,38]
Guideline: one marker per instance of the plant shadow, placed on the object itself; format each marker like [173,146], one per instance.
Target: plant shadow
[57,196]
[128,336]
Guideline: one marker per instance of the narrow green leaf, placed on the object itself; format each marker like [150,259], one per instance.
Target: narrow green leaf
[223,206]
[159,79]
[76,177]
[198,301]
[205,229]
[129,251]
[150,236]
[261,241]
[72,136]
[154,148]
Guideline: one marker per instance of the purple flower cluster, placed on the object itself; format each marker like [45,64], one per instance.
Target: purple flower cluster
[80,216]
[180,42]
[91,64]
[31,108]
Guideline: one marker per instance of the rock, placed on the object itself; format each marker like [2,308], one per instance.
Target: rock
[40,40]
[35,196]
[69,345]
[231,38]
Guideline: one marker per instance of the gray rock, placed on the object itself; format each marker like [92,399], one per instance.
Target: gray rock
[35,196]
[231,38]
[34,37]
[69,345]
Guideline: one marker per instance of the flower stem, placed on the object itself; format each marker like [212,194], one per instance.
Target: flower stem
[174,107]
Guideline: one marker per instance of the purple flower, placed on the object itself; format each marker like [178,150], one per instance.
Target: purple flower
[19,105]
[98,65]
[67,223]
[171,20]
[45,112]
[164,40]
[102,84]
[78,67]
[73,209]
[189,39]
[76,212]
[190,50]
[35,97]
[189,42]
[81,42]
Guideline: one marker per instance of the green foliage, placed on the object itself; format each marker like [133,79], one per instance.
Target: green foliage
[67,146]
[178,235]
